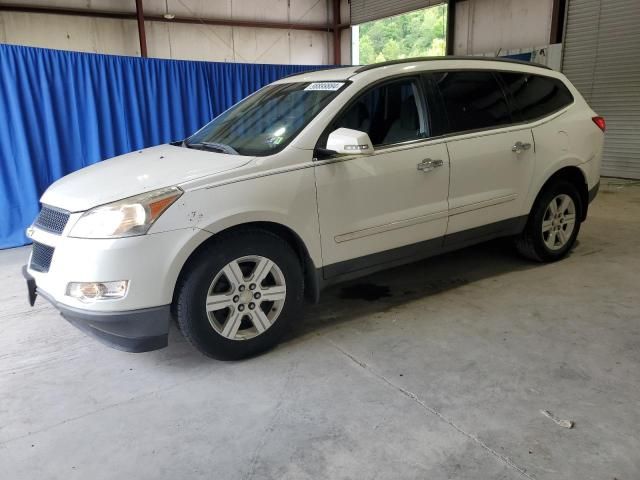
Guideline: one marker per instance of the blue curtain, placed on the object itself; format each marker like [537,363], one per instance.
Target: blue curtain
[61,111]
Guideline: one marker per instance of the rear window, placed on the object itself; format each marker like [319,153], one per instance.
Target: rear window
[535,96]
[473,100]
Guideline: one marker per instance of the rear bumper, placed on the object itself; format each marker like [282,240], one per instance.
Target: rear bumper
[136,331]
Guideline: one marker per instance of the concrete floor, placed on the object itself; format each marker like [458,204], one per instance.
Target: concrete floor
[436,370]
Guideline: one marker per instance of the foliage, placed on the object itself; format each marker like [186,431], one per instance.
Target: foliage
[413,34]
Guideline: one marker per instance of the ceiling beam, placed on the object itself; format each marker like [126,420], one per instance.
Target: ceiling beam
[80,12]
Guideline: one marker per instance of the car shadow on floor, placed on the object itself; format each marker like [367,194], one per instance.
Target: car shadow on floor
[391,288]
[381,292]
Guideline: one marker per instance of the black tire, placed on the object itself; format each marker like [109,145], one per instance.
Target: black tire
[190,301]
[530,243]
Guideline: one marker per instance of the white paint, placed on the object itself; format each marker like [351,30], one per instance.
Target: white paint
[185,41]
[341,208]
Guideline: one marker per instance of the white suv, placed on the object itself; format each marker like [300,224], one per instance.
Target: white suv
[314,179]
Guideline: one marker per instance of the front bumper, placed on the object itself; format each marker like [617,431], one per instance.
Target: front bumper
[139,330]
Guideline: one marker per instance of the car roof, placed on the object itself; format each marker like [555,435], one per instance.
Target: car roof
[476,58]
[433,63]
[325,74]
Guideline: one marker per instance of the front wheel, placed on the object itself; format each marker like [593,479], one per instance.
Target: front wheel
[553,224]
[239,293]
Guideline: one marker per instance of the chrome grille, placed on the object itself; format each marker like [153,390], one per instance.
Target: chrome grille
[41,256]
[52,219]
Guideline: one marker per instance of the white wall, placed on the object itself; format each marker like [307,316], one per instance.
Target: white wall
[185,41]
[488,25]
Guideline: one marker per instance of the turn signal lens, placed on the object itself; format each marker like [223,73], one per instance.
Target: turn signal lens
[92,291]
[599,121]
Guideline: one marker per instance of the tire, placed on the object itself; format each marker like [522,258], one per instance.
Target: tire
[230,313]
[539,246]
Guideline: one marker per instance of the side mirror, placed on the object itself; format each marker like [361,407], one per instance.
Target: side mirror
[346,141]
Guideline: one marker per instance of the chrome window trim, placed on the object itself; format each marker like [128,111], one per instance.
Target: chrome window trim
[449,136]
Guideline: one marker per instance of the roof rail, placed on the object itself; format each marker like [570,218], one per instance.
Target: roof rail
[330,67]
[365,68]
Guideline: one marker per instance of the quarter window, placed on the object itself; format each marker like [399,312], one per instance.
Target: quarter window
[535,96]
[473,100]
[390,113]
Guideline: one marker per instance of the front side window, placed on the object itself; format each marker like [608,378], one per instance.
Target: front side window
[267,121]
[390,113]
[473,100]
[535,96]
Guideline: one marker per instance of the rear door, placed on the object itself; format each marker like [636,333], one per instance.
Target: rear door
[492,159]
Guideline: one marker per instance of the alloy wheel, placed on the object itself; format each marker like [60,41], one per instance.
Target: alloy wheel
[558,222]
[246,297]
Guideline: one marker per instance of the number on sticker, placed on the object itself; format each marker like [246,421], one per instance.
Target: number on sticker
[326,86]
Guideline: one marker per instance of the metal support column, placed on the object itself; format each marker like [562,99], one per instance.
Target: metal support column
[337,32]
[141,32]
[451,26]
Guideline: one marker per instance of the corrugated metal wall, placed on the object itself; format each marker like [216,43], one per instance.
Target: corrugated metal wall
[368,10]
[602,59]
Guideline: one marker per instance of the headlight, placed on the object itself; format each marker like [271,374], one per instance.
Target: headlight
[125,218]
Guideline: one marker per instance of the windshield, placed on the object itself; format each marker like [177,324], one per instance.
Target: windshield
[267,121]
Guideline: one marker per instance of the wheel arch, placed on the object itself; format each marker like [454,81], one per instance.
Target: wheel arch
[311,282]
[573,174]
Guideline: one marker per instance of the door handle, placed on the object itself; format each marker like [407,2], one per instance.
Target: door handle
[520,147]
[427,165]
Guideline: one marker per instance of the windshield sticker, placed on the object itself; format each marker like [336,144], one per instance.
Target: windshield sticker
[274,140]
[325,86]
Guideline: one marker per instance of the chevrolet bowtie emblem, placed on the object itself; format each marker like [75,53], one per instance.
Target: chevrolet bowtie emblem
[30,231]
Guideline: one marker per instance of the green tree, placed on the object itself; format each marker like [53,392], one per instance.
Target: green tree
[367,53]
[414,34]
[438,48]
[391,50]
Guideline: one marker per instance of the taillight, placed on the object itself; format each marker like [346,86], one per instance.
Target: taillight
[599,121]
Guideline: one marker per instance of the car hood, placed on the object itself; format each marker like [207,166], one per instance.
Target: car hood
[135,173]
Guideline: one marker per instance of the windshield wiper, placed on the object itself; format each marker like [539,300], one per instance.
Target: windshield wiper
[212,147]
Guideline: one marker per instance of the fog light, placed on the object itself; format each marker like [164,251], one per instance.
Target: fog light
[92,291]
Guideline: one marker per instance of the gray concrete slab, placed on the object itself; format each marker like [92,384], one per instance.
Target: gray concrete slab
[433,370]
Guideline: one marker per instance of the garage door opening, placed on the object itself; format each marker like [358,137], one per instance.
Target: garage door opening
[414,34]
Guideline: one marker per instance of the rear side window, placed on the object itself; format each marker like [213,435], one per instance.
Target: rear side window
[535,96]
[472,100]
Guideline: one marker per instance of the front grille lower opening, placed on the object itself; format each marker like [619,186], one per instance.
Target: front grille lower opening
[41,256]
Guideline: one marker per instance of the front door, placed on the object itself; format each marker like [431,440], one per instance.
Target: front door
[380,208]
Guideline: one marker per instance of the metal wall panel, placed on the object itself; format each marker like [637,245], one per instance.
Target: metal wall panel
[368,10]
[602,59]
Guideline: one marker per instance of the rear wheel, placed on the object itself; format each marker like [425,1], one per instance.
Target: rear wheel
[239,293]
[553,225]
